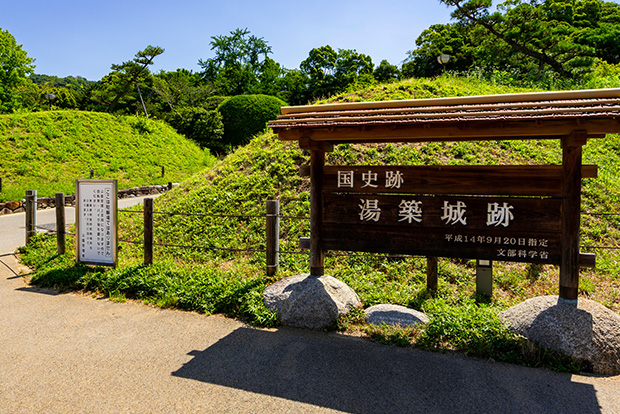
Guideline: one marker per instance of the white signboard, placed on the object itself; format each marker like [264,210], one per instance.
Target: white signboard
[96,219]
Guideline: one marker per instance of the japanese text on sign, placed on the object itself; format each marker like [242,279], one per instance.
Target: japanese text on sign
[96,221]
[452,213]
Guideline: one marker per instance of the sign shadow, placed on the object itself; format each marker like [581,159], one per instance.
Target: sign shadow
[358,376]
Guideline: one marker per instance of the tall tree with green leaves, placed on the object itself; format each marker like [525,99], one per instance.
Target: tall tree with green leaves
[15,65]
[179,89]
[386,72]
[129,73]
[330,72]
[320,67]
[453,39]
[239,62]
[545,32]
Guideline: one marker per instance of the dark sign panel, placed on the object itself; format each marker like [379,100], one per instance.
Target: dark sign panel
[358,215]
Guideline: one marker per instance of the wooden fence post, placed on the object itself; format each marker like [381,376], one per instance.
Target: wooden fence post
[431,273]
[273,236]
[148,231]
[60,223]
[31,214]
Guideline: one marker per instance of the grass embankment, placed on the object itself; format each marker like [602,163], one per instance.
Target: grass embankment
[47,151]
[232,283]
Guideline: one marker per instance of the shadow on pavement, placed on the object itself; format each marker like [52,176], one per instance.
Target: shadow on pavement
[359,376]
[42,291]
[4,264]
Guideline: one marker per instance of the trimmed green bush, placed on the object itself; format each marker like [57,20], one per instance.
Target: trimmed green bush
[246,115]
[203,126]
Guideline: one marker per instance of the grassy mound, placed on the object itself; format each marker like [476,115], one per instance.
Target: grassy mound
[47,151]
[199,277]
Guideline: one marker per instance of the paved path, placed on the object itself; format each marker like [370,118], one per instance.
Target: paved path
[66,353]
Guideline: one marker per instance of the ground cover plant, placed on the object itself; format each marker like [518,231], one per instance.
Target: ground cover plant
[199,278]
[47,151]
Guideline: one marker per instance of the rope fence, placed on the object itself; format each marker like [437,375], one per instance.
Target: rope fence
[272,229]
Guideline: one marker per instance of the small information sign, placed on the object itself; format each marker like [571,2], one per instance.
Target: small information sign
[96,221]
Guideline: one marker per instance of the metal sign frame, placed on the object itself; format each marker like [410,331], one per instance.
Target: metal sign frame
[96,218]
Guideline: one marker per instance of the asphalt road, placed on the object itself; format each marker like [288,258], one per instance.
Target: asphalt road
[71,353]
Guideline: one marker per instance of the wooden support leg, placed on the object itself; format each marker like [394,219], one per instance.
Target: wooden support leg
[317,258]
[571,211]
[431,273]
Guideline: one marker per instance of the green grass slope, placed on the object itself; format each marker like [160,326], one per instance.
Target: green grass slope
[230,282]
[47,151]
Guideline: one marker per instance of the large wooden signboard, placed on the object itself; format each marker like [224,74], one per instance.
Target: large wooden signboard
[389,209]
[509,212]
[96,221]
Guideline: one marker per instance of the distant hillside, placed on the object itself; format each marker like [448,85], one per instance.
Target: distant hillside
[47,151]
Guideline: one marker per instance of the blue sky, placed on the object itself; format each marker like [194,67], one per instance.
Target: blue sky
[85,37]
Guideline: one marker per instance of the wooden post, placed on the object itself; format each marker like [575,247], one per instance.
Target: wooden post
[317,257]
[61,242]
[163,171]
[273,239]
[431,273]
[571,211]
[31,214]
[148,231]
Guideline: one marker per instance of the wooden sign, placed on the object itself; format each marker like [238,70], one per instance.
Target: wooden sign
[571,117]
[96,221]
[388,209]
[497,228]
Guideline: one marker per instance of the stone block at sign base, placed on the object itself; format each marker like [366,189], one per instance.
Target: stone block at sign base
[394,315]
[310,302]
[583,329]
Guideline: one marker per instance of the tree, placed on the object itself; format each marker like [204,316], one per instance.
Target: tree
[330,72]
[269,78]
[128,73]
[179,89]
[604,37]
[352,67]
[15,64]
[239,62]
[293,87]
[320,67]
[453,39]
[386,72]
[542,32]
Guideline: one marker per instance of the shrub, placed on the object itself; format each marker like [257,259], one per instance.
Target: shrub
[203,126]
[247,115]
